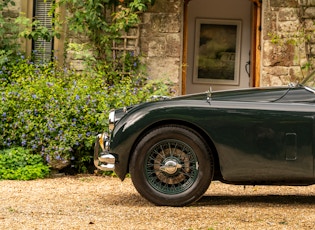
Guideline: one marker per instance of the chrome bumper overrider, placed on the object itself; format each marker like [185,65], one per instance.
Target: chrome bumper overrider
[103,160]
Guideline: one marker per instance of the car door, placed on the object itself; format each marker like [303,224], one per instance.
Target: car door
[265,142]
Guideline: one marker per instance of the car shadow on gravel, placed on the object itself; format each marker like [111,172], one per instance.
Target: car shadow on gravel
[135,200]
[257,199]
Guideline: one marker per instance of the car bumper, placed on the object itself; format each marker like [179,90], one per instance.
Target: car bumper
[103,160]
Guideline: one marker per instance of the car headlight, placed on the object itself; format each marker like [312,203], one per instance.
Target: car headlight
[111,120]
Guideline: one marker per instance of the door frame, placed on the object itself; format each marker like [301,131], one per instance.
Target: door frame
[255,58]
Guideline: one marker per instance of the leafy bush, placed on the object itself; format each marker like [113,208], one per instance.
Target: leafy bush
[20,164]
[58,112]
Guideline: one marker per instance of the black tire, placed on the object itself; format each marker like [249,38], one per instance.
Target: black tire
[171,166]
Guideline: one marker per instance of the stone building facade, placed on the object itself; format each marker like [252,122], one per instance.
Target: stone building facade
[161,40]
[288,41]
[284,44]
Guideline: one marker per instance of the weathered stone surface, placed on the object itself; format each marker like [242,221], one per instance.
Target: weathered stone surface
[166,6]
[288,26]
[165,23]
[277,70]
[164,68]
[280,75]
[278,55]
[156,47]
[297,74]
[303,2]
[309,12]
[306,2]
[173,45]
[270,24]
[273,80]
[282,3]
[288,14]
[309,25]
[10,14]
[265,80]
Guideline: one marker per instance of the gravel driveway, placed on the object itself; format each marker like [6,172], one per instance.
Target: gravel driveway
[95,202]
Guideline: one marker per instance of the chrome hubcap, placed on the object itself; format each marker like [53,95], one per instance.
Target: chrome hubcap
[170,167]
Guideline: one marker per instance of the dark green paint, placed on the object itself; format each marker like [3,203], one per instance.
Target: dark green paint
[260,136]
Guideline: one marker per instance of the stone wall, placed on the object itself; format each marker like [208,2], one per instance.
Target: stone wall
[285,50]
[285,26]
[13,11]
[160,41]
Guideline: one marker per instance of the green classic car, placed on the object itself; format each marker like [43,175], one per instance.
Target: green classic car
[174,148]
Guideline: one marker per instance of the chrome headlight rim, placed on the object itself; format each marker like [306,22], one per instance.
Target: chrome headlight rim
[111,120]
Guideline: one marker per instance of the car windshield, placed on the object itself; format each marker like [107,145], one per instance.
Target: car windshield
[309,81]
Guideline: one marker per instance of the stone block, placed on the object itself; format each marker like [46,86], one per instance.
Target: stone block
[166,6]
[165,23]
[288,26]
[282,3]
[288,14]
[277,70]
[309,12]
[296,74]
[278,54]
[173,45]
[303,2]
[311,2]
[270,23]
[271,80]
[309,25]
[163,68]
[10,14]
[279,80]
[265,80]
[157,47]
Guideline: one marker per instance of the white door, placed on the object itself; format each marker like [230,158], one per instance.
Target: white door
[218,51]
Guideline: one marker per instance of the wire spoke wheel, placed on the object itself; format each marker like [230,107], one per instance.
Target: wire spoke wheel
[171,166]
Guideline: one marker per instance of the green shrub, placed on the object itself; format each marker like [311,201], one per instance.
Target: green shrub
[58,112]
[20,164]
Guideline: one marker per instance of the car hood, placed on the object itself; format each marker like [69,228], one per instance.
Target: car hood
[241,95]
[264,95]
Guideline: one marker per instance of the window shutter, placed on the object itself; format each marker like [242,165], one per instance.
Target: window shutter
[43,49]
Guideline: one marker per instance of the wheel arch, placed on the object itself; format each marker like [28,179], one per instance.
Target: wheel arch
[208,140]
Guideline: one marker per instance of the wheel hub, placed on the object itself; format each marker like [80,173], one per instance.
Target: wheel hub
[170,167]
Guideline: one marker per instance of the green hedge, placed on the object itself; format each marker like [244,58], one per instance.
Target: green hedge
[57,112]
[20,164]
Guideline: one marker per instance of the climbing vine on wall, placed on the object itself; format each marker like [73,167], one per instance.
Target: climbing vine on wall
[101,21]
